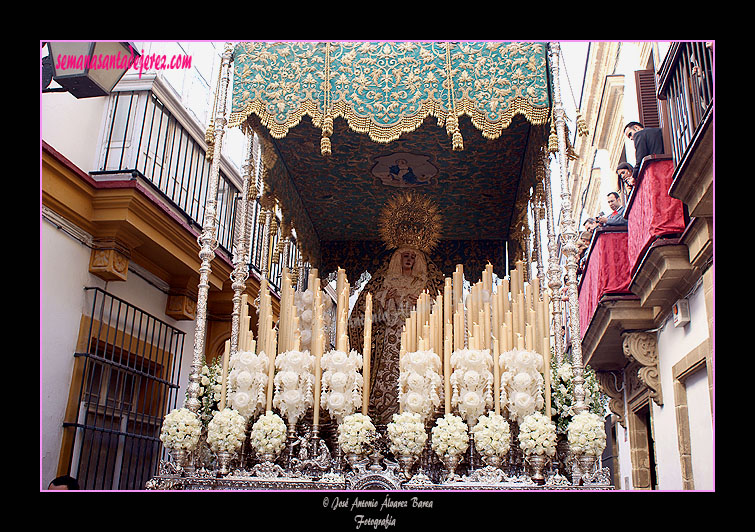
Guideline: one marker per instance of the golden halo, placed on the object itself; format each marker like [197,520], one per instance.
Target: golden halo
[410,220]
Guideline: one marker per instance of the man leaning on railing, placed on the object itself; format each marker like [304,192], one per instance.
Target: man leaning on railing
[647,141]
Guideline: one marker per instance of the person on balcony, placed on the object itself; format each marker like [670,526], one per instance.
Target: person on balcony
[625,172]
[590,225]
[647,141]
[616,218]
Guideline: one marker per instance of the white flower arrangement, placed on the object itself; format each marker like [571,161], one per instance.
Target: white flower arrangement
[407,434]
[268,434]
[294,384]
[492,435]
[537,435]
[210,390]
[181,429]
[304,302]
[355,432]
[247,380]
[521,383]
[341,383]
[587,434]
[226,431]
[562,394]
[419,382]
[450,436]
[472,382]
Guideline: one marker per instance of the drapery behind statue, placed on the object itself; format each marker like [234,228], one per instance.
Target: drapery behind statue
[395,287]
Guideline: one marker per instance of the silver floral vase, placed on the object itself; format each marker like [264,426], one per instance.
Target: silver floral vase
[450,462]
[586,465]
[224,462]
[492,460]
[269,457]
[407,460]
[180,457]
[538,463]
[353,458]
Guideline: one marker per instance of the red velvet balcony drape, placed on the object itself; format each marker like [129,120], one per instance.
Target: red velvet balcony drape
[652,213]
[606,272]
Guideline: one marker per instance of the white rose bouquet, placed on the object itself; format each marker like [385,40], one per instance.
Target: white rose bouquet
[268,434]
[587,434]
[293,384]
[450,436]
[407,434]
[210,390]
[341,383]
[226,431]
[562,393]
[355,433]
[247,380]
[419,382]
[472,382]
[181,429]
[537,435]
[492,435]
[521,383]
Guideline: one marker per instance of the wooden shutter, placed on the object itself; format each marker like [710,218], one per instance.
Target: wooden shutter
[647,103]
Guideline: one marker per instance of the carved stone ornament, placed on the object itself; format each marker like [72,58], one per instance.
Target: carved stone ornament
[642,347]
[612,384]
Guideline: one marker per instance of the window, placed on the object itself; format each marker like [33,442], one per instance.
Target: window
[125,380]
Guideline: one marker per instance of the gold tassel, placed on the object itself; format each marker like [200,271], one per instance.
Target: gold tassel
[325,146]
[458,142]
[553,140]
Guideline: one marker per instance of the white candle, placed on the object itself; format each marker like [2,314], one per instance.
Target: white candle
[224,377]
[317,348]
[447,371]
[366,354]
[496,378]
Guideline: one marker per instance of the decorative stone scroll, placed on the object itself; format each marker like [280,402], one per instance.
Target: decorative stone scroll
[642,348]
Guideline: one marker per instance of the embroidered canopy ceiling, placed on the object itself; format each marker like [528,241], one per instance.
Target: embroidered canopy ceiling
[349,124]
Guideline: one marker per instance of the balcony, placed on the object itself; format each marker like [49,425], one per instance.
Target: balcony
[606,306]
[150,137]
[686,89]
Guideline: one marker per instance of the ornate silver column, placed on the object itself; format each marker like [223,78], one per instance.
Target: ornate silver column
[207,241]
[554,272]
[240,272]
[569,236]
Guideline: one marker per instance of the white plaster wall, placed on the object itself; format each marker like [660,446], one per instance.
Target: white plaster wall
[674,343]
[625,460]
[701,431]
[72,127]
[64,273]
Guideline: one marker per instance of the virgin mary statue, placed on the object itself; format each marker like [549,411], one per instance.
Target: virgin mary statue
[409,226]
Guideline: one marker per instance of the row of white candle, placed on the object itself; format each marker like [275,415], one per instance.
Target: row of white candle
[513,317]
[288,333]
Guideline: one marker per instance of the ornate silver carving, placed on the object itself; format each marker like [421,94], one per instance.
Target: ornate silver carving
[207,240]
[569,237]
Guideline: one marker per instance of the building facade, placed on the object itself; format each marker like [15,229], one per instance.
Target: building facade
[122,198]
[647,291]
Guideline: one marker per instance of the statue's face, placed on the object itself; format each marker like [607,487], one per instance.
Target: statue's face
[407,259]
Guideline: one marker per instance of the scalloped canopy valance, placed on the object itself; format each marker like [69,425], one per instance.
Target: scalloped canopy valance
[385,89]
[376,102]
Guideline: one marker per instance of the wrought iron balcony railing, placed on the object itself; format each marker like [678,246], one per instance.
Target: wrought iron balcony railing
[142,135]
[686,83]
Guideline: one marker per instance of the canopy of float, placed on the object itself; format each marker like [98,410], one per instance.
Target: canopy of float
[347,125]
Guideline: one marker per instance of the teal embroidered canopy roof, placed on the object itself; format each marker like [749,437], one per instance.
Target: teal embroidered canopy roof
[347,125]
[385,89]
